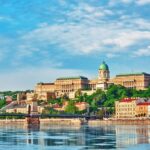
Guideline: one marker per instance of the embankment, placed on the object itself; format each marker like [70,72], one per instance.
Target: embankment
[119,122]
[64,121]
[51,121]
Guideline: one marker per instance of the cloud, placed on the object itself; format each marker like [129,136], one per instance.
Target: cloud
[84,30]
[87,13]
[143,2]
[83,39]
[114,2]
[143,52]
[88,29]
[27,78]
[137,2]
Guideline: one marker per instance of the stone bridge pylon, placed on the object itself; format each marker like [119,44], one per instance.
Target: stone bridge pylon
[32,120]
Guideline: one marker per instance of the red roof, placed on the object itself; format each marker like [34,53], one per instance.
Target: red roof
[144,103]
[128,99]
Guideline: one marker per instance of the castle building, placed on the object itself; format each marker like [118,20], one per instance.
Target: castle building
[69,85]
[140,81]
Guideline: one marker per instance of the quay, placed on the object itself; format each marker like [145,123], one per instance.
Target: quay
[75,122]
[136,121]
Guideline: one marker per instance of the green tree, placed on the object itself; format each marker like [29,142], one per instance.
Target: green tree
[78,93]
[2,103]
[71,108]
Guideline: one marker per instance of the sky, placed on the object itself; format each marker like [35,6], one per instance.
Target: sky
[41,40]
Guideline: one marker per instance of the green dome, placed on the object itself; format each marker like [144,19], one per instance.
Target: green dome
[103,66]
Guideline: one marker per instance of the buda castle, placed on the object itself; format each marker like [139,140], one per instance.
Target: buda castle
[69,85]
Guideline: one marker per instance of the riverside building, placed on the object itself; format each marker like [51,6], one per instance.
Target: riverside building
[132,107]
[69,85]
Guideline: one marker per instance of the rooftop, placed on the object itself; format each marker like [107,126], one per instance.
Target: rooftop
[133,74]
[128,99]
[144,103]
[103,66]
[70,78]
[41,83]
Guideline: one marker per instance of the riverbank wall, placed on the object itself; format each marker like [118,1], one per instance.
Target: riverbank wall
[119,122]
[50,121]
[64,121]
[78,122]
[11,121]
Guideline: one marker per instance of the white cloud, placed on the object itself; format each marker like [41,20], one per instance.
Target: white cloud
[27,78]
[88,13]
[143,52]
[115,2]
[128,38]
[143,2]
[110,55]
[89,30]
[84,39]
[138,2]
[26,50]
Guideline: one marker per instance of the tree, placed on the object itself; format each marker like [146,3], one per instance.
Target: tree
[71,108]
[78,93]
[2,103]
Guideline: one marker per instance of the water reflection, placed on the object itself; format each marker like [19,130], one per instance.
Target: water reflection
[73,138]
[131,135]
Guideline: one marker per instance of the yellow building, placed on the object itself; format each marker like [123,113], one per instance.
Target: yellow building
[69,85]
[132,107]
[142,109]
[140,81]
[126,108]
[22,109]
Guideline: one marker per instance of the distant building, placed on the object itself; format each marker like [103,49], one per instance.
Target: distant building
[132,107]
[21,107]
[140,81]
[82,106]
[126,108]
[8,99]
[143,109]
[69,85]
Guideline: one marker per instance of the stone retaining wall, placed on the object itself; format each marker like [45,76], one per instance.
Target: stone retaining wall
[12,121]
[74,122]
[118,122]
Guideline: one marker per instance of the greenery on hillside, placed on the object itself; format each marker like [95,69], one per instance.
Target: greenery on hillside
[102,102]
[2,103]
[71,108]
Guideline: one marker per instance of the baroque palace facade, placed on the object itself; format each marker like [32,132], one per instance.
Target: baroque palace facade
[69,85]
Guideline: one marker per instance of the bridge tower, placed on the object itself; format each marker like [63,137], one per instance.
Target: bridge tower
[32,119]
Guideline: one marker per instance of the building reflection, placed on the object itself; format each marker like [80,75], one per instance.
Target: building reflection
[130,135]
[102,137]
[95,138]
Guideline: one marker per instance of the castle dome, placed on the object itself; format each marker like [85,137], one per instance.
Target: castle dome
[103,66]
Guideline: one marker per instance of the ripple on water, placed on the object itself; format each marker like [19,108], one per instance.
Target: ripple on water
[91,138]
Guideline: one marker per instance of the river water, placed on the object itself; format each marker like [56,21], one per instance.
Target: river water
[75,138]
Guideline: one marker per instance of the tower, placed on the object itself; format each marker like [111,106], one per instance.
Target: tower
[104,74]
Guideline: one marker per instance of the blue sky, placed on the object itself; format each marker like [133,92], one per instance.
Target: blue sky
[41,40]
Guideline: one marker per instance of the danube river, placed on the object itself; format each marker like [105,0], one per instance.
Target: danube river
[75,138]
